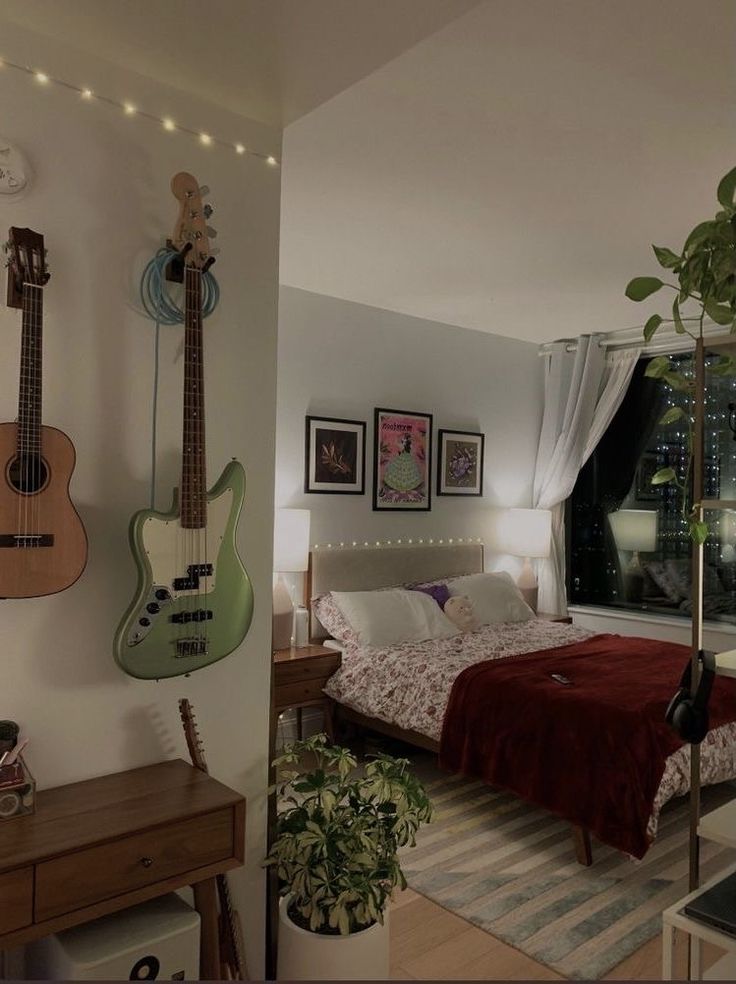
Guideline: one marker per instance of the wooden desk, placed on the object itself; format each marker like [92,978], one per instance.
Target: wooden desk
[98,846]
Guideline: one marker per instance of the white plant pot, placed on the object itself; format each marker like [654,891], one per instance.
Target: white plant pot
[305,956]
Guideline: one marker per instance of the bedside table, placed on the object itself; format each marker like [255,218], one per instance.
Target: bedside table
[566,619]
[299,676]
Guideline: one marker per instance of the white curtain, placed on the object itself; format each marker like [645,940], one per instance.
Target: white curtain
[583,390]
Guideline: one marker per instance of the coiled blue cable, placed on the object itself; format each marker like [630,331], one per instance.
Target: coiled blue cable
[162,308]
[156,296]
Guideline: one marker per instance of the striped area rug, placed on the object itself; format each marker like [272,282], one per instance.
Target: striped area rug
[509,869]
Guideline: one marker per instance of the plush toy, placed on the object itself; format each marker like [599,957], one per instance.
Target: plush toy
[459,610]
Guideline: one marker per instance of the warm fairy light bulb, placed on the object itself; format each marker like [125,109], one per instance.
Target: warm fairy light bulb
[271,160]
[205,138]
[239,148]
[42,77]
[168,124]
[86,93]
[129,108]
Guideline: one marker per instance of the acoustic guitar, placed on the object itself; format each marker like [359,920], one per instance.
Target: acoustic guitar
[194,600]
[232,951]
[43,545]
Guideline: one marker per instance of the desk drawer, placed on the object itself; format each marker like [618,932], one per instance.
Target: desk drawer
[85,877]
[16,899]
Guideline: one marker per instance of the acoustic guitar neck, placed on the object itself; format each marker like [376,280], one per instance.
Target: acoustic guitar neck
[231,941]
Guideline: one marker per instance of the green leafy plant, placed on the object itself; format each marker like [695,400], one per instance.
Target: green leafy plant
[705,271]
[339,831]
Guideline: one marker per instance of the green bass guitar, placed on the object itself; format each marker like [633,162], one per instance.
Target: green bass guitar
[194,600]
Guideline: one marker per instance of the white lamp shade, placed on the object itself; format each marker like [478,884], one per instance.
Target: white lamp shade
[523,532]
[291,540]
[634,529]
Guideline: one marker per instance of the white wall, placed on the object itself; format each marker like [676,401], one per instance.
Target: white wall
[343,359]
[102,200]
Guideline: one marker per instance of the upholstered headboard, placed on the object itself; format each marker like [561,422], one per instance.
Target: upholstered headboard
[369,568]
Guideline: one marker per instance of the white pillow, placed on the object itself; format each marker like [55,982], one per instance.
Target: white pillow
[495,597]
[386,618]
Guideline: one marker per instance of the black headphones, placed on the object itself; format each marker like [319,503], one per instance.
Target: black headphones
[688,712]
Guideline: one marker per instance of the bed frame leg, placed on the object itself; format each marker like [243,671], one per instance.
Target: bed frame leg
[583,849]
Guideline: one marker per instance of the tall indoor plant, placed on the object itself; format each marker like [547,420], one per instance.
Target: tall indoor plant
[338,833]
[705,271]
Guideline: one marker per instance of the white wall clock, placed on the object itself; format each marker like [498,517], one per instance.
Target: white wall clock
[15,175]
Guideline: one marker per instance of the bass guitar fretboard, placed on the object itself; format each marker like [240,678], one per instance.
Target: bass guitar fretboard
[193,488]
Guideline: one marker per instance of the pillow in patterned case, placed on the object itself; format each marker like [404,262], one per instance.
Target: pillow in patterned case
[440,593]
[327,611]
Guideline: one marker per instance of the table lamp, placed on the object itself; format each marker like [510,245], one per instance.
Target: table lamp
[525,533]
[290,556]
[634,530]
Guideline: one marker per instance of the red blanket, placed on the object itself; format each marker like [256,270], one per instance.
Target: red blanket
[594,752]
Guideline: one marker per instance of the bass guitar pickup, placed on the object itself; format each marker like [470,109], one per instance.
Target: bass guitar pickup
[196,646]
[182,618]
[194,573]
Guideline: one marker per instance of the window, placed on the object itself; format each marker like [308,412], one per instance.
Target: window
[639,559]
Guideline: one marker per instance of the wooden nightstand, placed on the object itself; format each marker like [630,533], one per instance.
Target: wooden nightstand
[299,678]
[567,619]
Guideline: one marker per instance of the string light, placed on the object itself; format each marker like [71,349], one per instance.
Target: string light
[383,544]
[131,110]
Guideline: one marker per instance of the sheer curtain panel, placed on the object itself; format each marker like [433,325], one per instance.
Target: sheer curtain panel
[582,392]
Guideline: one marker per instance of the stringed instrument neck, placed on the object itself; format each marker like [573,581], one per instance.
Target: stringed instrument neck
[193,486]
[27,276]
[31,365]
[231,938]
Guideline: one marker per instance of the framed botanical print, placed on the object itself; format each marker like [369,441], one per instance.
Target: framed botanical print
[334,455]
[402,460]
[460,466]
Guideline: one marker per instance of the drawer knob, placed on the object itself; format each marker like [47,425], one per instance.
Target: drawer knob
[146,862]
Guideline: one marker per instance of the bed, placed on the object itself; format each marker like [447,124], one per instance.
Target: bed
[404,691]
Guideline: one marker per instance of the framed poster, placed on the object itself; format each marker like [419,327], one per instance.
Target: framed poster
[460,465]
[402,460]
[334,456]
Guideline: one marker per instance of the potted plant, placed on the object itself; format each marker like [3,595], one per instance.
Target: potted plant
[338,833]
[705,271]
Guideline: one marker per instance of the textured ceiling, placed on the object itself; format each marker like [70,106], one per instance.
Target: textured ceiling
[509,172]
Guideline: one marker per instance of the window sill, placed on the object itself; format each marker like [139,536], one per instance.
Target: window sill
[675,621]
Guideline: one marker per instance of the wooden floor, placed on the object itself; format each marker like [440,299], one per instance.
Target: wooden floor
[429,943]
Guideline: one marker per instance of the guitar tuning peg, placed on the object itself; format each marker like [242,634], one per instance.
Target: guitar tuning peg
[204,190]
[212,232]
[208,210]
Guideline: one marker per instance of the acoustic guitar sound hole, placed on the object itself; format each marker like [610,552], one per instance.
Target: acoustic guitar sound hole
[27,473]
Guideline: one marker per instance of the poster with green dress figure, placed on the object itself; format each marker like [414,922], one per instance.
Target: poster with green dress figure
[401,467]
